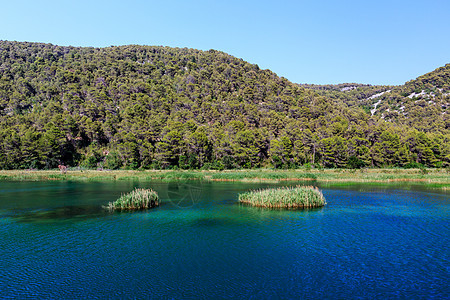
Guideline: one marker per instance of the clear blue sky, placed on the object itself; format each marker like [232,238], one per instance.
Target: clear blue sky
[377,42]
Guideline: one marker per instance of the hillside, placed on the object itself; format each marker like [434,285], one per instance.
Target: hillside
[350,94]
[421,103]
[160,107]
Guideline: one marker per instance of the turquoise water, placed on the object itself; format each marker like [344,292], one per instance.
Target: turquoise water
[372,243]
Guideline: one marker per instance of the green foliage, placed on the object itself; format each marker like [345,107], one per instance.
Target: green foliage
[286,197]
[355,163]
[138,199]
[141,107]
[112,161]
[335,152]
[421,103]
[90,162]
[423,170]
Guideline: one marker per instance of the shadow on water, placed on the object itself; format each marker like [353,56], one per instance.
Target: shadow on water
[229,201]
[57,214]
[213,222]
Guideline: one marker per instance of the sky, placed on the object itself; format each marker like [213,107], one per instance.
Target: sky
[319,42]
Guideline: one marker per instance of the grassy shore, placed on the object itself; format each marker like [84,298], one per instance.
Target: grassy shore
[439,178]
[285,197]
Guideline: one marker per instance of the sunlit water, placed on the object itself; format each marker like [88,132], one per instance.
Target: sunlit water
[377,242]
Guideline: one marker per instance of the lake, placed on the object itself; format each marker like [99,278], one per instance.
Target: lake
[367,242]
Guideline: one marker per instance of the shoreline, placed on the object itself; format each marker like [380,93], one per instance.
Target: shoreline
[434,177]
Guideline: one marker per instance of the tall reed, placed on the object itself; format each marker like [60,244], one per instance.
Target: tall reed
[285,197]
[137,199]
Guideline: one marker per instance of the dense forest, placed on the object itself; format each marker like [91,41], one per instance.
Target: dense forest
[140,107]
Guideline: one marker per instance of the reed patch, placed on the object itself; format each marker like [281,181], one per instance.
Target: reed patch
[285,197]
[138,199]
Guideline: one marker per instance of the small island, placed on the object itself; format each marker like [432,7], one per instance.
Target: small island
[286,197]
[138,199]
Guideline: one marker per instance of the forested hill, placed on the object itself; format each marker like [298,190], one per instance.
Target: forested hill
[161,107]
[421,103]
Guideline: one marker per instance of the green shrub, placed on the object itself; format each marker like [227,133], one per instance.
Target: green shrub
[355,163]
[413,165]
[112,161]
[90,162]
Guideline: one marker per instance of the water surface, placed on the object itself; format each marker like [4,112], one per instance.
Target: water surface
[368,242]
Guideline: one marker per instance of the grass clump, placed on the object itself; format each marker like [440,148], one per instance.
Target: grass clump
[285,197]
[138,199]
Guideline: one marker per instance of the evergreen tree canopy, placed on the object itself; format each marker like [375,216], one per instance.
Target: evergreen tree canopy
[161,107]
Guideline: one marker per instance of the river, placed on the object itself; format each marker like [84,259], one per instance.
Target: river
[367,242]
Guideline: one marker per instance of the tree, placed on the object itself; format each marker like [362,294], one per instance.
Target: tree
[281,152]
[334,151]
